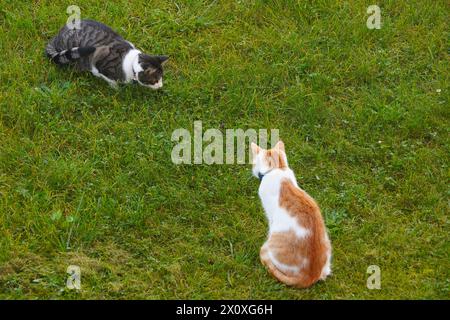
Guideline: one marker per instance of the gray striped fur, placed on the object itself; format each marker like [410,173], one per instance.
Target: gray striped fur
[96,46]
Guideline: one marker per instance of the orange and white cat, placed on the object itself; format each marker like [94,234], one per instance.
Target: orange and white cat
[298,250]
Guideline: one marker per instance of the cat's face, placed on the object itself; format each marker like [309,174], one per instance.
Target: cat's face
[152,71]
[264,161]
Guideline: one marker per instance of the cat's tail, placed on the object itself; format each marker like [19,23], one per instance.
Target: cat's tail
[67,56]
[300,280]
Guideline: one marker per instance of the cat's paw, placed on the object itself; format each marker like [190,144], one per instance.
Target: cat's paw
[114,85]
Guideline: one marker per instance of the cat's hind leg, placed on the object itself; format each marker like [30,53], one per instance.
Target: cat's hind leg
[98,56]
[264,254]
[96,73]
[326,270]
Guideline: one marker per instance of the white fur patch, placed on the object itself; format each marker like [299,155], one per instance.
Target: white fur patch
[157,85]
[284,222]
[130,65]
[269,192]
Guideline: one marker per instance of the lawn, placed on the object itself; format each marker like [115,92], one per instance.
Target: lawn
[86,176]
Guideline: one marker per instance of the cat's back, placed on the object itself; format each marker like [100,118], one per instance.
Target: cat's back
[298,202]
[92,25]
[89,33]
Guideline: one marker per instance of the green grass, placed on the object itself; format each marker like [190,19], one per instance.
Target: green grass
[85,170]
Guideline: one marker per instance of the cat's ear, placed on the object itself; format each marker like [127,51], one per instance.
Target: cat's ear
[255,148]
[279,146]
[162,59]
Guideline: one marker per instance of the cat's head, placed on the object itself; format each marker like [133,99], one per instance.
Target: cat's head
[265,161]
[152,70]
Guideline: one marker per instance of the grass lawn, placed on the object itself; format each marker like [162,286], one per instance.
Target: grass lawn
[86,176]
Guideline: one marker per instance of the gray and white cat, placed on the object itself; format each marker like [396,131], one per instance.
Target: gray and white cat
[97,48]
